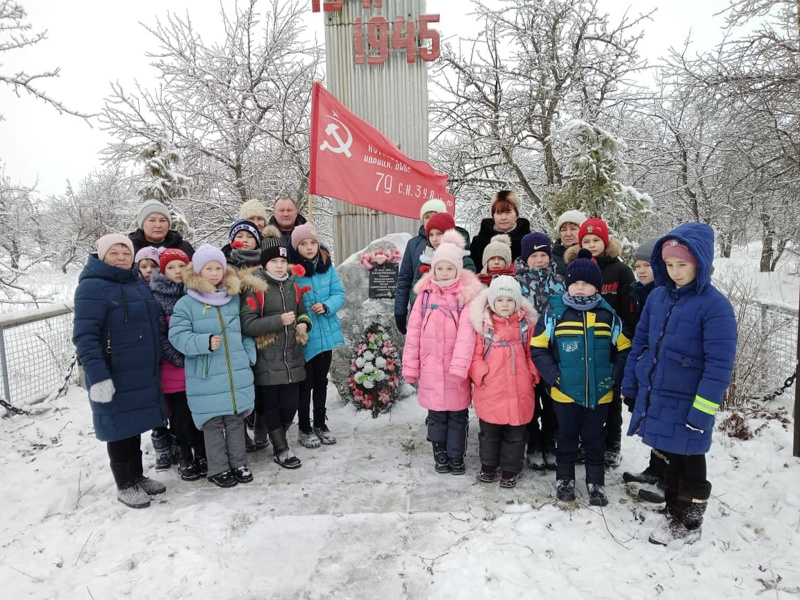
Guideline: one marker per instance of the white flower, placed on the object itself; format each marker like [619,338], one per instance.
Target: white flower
[380,362]
[379,375]
[359,362]
[369,368]
[368,383]
[368,355]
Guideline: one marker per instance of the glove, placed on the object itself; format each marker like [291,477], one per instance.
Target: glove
[102,392]
[629,402]
[400,321]
[693,428]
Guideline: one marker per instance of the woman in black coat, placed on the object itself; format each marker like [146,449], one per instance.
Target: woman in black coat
[505,219]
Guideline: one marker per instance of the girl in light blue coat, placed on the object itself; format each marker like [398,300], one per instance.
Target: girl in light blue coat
[323,295]
[205,327]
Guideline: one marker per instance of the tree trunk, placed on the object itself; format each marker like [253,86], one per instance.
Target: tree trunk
[767,243]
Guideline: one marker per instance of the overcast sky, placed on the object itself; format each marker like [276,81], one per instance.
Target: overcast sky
[95,42]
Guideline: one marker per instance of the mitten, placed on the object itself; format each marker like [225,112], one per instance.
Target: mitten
[301,337]
[102,392]
[629,402]
[400,321]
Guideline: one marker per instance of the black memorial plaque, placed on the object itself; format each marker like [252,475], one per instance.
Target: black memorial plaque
[383,280]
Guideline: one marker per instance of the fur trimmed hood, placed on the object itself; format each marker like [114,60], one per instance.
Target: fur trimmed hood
[469,286]
[230,282]
[613,251]
[481,316]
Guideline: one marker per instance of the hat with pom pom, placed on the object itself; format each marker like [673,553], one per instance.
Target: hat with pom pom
[500,246]
[584,268]
[451,249]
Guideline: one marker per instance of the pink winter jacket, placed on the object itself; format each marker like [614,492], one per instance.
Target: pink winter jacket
[439,344]
[504,378]
[173,379]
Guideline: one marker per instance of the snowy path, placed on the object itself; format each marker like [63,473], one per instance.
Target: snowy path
[368,518]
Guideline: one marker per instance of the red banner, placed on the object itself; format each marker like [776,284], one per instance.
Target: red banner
[354,162]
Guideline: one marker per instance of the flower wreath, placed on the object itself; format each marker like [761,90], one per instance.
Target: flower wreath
[374,380]
[380,257]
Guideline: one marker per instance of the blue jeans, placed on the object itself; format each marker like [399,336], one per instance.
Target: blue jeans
[579,424]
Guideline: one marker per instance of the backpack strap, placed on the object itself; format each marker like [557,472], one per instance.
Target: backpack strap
[425,295]
[488,338]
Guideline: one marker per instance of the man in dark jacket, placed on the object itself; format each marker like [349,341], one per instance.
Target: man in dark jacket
[285,217]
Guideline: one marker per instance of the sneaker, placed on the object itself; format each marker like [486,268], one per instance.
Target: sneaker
[457,467]
[325,436]
[225,479]
[151,487]
[644,477]
[597,495]
[566,490]
[202,466]
[487,474]
[243,474]
[133,496]
[535,461]
[188,470]
[309,440]
[549,459]
[674,530]
[508,479]
[287,460]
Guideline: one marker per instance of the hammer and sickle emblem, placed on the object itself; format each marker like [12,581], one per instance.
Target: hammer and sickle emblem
[341,146]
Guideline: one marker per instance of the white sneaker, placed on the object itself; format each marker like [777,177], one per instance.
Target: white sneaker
[309,440]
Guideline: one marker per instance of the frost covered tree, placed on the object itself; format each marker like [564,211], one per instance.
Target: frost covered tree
[592,178]
[237,109]
[16,34]
[164,182]
[501,98]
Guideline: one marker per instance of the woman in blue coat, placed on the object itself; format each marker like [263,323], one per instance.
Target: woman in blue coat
[116,337]
[679,370]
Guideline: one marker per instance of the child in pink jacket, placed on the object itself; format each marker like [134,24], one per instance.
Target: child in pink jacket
[504,377]
[438,351]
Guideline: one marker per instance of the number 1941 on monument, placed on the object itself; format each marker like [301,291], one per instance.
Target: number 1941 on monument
[372,46]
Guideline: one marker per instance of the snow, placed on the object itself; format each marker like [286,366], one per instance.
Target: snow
[369,518]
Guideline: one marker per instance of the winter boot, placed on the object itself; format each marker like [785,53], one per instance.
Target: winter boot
[225,479]
[133,496]
[687,522]
[161,443]
[508,479]
[597,495]
[202,465]
[174,449]
[151,487]
[646,476]
[260,434]
[283,455]
[613,456]
[565,491]
[440,461]
[243,474]
[535,461]
[187,466]
[549,458]
[487,474]
[308,439]
[325,436]
[457,466]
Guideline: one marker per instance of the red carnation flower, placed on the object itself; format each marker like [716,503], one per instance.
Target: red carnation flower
[237,244]
[424,269]
[298,271]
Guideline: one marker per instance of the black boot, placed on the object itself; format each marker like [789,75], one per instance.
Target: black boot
[187,466]
[687,521]
[283,455]
[440,461]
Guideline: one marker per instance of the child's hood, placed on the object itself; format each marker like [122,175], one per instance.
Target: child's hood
[699,238]
[251,281]
[159,284]
[467,287]
[613,250]
[480,315]
[230,282]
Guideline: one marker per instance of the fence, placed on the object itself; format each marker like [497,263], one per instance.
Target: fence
[35,353]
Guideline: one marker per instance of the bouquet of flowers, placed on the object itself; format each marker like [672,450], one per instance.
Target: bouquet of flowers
[380,257]
[374,380]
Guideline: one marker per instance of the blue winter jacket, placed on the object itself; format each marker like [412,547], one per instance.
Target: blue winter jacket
[325,287]
[409,267]
[683,351]
[220,382]
[116,336]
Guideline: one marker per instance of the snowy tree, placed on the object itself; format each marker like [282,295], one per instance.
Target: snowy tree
[238,110]
[164,182]
[592,175]
[16,34]
[535,66]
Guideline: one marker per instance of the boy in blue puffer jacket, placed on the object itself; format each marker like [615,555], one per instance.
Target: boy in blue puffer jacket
[323,295]
[679,369]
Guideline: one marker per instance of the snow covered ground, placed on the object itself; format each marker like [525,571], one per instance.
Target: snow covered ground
[368,518]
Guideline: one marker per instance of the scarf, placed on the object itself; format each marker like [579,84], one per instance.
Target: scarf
[218,298]
[582,302]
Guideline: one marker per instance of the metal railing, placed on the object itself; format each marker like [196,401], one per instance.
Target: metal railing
[36,353]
